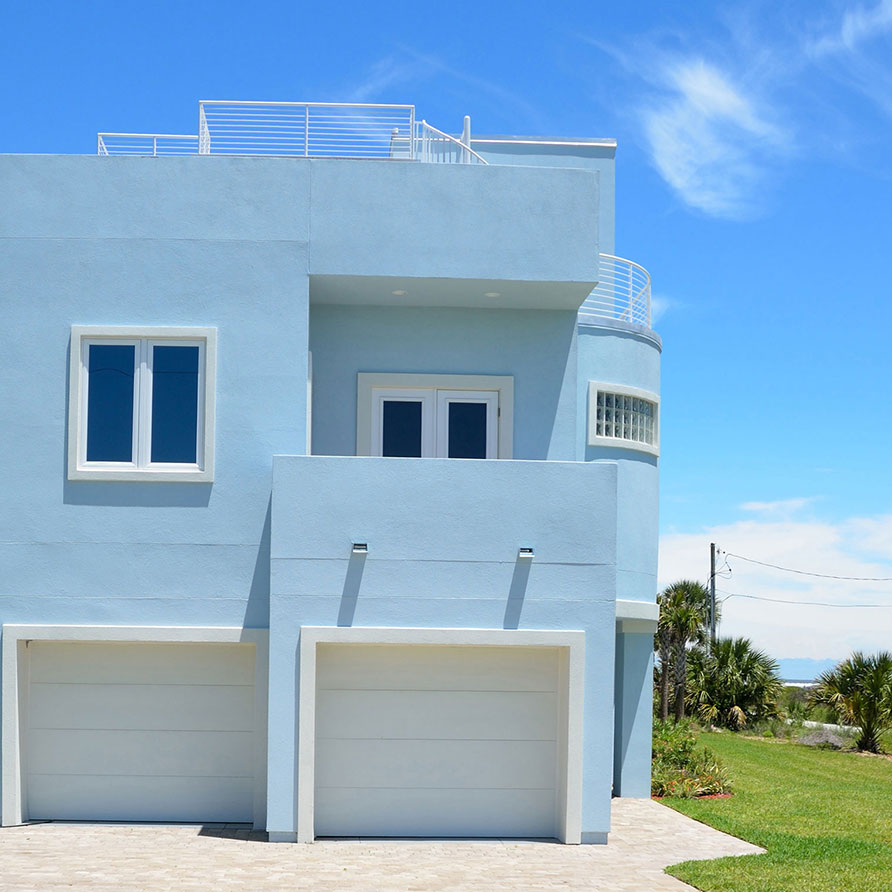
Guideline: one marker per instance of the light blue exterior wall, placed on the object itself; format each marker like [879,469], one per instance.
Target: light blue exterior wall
[284,256]
[443,537]
[147,243]
[629,356]
[536,347]
[587,154]
[634,711]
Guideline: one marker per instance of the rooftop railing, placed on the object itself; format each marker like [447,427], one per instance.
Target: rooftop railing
[305,130]
[622,293]
[146,144]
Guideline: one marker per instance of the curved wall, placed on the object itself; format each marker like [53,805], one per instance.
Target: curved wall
[627,355]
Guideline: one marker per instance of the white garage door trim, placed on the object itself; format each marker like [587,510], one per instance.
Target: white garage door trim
[15,684]
[572,668]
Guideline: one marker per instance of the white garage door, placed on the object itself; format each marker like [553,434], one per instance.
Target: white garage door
[436,741]
[140,732]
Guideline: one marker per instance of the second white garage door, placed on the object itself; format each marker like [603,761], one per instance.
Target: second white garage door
[140,732]
[441,741]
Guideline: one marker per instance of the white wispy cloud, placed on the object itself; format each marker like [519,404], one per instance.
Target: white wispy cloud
[860,546]
[721,121]
[406,65]
[778,508]
[857,26]
[385,73]
[711,139]
[660,305]
[856,52]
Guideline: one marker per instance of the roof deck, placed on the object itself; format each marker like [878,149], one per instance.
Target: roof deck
[368,131]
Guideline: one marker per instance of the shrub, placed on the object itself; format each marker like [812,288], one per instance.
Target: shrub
[859,690]
[680,768]
[733,684]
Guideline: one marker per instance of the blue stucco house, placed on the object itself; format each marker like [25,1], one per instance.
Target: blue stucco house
[329,483]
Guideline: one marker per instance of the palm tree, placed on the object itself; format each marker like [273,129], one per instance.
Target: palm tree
[663,646]
[859,689]
[684,615]
[732,683]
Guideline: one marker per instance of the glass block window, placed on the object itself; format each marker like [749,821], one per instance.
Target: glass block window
[627,416]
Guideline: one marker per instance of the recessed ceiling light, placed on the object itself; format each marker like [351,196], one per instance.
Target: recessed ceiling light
[399,292]
[492,294]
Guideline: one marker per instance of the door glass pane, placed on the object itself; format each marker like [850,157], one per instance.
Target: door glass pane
[110,402]
[174,404]
[467,430]
[402,428]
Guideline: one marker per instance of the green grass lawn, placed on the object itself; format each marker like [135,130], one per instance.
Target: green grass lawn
[825,818]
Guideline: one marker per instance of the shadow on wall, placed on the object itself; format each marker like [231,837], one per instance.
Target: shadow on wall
[517,593]
[257,608]
[120,494]
[353,582]
[350,594]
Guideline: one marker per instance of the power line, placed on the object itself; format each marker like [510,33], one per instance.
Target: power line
[807,573]
[804,603]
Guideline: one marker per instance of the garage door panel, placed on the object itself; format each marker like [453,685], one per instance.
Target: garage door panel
[147,707]
[140,731]
[169,753]
[435,763]
[387,667]
[512,715]
[75,798]
[142,663]
[424,812]
[436,740]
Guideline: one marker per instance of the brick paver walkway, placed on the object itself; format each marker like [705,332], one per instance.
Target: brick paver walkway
[646,837]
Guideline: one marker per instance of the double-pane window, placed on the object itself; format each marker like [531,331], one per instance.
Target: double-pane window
[141,406]
[429,422]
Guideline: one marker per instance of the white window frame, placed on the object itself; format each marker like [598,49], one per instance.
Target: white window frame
[489,397]
[595,387]
[143,339]
[435,392]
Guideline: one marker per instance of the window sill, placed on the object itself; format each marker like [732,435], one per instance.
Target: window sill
[141,475]
[614,443]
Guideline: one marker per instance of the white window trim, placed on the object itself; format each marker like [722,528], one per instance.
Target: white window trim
[142,337]
[411,386]
[489,397]
[615,442]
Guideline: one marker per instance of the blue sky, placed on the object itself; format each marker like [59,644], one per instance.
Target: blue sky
[754,181]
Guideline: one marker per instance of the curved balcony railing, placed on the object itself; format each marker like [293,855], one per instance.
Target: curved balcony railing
[622,293]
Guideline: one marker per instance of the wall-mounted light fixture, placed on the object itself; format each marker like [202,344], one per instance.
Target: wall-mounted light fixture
[525,552]
[360,548]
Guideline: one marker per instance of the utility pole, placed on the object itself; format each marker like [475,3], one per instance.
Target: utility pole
[711,593]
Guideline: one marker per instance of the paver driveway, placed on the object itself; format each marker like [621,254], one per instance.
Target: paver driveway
[646,837]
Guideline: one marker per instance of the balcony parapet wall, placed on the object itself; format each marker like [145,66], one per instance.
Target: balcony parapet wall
[443,540]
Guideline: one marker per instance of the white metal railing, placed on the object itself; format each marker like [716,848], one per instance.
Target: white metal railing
[433,145]
[622,292]
[303,129]
[145,144]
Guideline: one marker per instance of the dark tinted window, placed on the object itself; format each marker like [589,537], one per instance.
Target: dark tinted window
[467,430]
[110,402]
[402,429]
[174,404]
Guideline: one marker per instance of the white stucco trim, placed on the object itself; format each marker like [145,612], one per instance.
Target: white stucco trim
[366,382]
[573,642]
[637,616]
[616,442]
[14,642]
[203,472]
